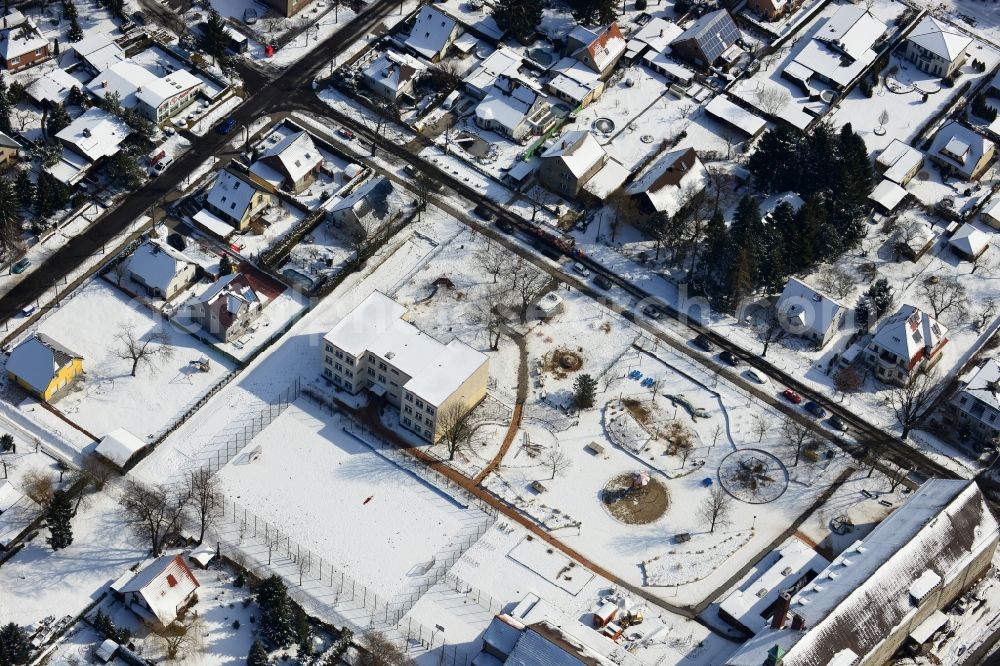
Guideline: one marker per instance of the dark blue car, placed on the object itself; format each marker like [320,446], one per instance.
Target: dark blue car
[226,126]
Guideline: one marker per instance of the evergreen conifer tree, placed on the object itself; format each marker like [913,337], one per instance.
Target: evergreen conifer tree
[58,518]
[276,616]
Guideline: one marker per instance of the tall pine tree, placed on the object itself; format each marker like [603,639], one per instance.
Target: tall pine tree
[214,37]
[58,120]
[258,655]
[594,12]
[58,518]
[14,647]
[276,616]
[518,17]
[5,108]
[10,216]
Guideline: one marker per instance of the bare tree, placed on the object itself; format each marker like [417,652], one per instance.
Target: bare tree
[97,470]
[120,272]
[24,117]
[155,513]
[180,638]
[883,118]
[271,539]
[454,423]
[984,260]
[202,489]
[378,650]
[526,283]
[490,312]
[362,236]
[761,425]
[847,380]
[556,460]
[770,328]
[985,314]
[141,350]
[772,99]
[944,295]
[39,485]
[493,258]
[837,282]
[915,401]
[896,475]
[716,509]
[716,433]
[795,435]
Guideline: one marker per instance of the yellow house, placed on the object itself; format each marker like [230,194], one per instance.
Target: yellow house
[42,366]
[8,149]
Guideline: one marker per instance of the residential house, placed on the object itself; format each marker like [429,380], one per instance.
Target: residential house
[571,161]
[288,8]
[664,63]
[809,313]
[654,37]
[124,79]
[732,115]
[599,50]
[291,164]
[366,210]
[669,182]
[792,566]
[433,32]
[899,162]
[974,409]
[156,97]
[228,308]
[52,88]
[96,52]
[9,149]
[707,40]
[887,196]
[374,348]
[236,200]
[42,366]
[119,447]
[391,75]
[162,591]
[575,82]
[161,270]
[905,343]
[937,48]
[886,588]
[514,110]
[965,152]
[991,212]
[501,63]
[841,49]
[772,10]
[21,44]
[969,242]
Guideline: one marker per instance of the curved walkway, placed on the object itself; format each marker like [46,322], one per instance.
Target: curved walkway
[522,397]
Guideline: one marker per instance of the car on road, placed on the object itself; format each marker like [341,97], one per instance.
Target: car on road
[837,423]
[226,126]
[755,377]
[603,281]
[791,396]
[505,226]
[484,213]
[580,269]
[28,310]
[411,171]
[702,342]
[106,199]
[652,312]
[20,266]
[161,166]
[346,133]
[730,358]
[815,409]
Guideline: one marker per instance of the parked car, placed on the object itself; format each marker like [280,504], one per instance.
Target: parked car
[755,376]
[161,166]
[702,342]
[226,126]
[815,409]
[730,358]
[580,269]
[346,133]
[106,199]
[505,226]
[411,171]
[792,396]
[20,266]
[837,423]
[484,213]
[603,281]
[652,312]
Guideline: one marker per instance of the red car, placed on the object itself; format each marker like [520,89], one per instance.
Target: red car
[792,396]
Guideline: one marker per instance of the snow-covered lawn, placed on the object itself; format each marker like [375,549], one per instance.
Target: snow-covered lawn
[108,397]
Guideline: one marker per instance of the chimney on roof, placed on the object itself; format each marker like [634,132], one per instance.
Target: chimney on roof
[798,622]
[86,132]
[781,610]
[104,83]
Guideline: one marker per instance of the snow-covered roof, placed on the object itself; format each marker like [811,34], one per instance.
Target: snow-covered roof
[53,86]
[231,194]
[95,134]
[8,142]
[376,326]
[544,643]
[119,446]
[125,78]
[668,180]
[106,650]
[960,147]
[97,50]
[37,360]
[394,70]
[578,150]
[926,629]
[502,62]
[156,264]
[432,32]
[888,194]
[899,159]
[296,153]
[214,223]
[203,554]
[984,383]
[991,211]
[9,495]
[70,169]
[507,105]
[603,47]
[16,42]
[909,332]
[574,79]
[164,585]
[370,201]
[656,34]
[611,176]
[714,33]
[158,91]
[11,19]
[969,240]
[852,30]
[722,108]
[808,309]
[865,593]
[939,38]
[785,566]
